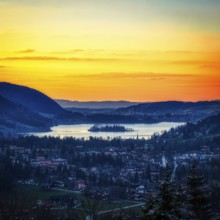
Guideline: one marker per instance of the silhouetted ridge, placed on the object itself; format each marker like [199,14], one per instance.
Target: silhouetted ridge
[30,98]
[5,104]
[14,115]
[174,107]
[95,104]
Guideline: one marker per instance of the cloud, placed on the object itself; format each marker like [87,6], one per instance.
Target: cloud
[217,66]
[200,63]
[120,76]
[182,51]
[53,58]
[26,51]
[77,50]
[201,85]
[68,51]
[90,59]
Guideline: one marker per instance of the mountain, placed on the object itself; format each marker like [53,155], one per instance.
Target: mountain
[172,107]
[90,110]
[24,109]
[151,112]
[31,99]
[94,104]
[205,134]
[15,118]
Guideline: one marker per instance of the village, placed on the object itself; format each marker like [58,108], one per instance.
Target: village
[127,170]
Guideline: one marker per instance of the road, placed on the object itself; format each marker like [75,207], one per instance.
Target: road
[119,209]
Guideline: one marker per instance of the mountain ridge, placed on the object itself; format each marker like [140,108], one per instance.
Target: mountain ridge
[15,118]
[24,109]
[172,107]
[30,98]
[94,104]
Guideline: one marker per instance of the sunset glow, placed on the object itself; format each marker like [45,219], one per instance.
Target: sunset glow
[134,50]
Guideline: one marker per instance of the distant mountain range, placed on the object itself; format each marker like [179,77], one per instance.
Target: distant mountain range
[137,108]
[95,104]
[172,107]
[24,109]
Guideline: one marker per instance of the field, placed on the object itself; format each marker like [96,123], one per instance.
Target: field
[34,196]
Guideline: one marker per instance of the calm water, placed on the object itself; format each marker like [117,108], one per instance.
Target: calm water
[81,130]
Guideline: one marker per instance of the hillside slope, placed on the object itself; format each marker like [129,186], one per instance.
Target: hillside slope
[15,118]
[173,107]
[190,137]
[30,98]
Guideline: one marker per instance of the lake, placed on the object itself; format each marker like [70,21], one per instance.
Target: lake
[81,131]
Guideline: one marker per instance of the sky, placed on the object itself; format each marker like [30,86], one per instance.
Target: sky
[137,50]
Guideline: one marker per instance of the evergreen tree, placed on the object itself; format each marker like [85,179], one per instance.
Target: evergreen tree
[149,209]
[166,196]
[6,175]
[168,204]
[198,195]
[181,210]
[148,172]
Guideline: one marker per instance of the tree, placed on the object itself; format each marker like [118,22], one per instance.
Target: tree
[148,172]
[198,195]
[149,209]
[169,204]
[6,175]
[161,207]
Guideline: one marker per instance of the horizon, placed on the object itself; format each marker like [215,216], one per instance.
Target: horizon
[147,101]
[116,100]
[138,51]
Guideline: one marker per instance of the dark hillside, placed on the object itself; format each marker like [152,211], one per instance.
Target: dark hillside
[30,98]
[173,107]
[14,116]
[190,137]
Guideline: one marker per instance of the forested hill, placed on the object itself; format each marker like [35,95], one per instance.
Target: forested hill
[190,137]
[24,109]
[30,98]
[173,107]
[205,127]
[16,118]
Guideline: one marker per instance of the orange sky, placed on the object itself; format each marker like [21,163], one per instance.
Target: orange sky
[112,50]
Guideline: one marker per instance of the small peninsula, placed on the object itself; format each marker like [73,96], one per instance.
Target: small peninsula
[109,128]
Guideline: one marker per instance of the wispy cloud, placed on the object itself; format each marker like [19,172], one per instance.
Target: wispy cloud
[217,66]
[199,63]
[54,58]
[198,85]
[68,51]
[119,76]
[183,52]
[26,51]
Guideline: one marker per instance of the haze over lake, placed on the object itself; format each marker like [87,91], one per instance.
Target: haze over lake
[81,130]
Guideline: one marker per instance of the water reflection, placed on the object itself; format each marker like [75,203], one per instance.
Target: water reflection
[81,131]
